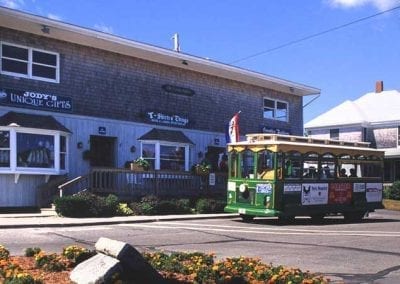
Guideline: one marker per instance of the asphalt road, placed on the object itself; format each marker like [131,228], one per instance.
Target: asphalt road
[367,252]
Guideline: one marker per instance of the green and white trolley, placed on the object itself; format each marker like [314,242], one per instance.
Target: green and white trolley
[288,176]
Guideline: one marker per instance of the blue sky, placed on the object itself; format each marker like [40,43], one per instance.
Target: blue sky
[344,64]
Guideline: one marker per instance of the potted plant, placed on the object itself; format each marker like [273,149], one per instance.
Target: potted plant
[140,164]
[202,169]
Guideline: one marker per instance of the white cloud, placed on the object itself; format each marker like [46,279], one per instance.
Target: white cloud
[381,5]
[54,17]
[104,28]
[13,4]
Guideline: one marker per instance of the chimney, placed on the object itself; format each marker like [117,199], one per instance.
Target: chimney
[379,86]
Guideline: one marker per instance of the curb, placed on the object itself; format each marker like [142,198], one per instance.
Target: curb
[95,222]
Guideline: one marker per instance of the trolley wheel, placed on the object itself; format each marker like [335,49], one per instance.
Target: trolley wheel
[353,217]
[286,219]
[317,218]
[247,218]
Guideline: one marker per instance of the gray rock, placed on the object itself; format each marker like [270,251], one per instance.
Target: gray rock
[135,267]
[96,270]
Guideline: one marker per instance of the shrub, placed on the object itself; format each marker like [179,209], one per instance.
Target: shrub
[51,262]
[136,208]
[22,278]
[32,251]
[77,254]
[392,192]
[152,205]
[4,253]
[86,204]
[124,210]
[148,203]
[208,205]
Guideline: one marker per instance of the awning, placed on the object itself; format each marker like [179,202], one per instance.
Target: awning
[166,135]
[47,122]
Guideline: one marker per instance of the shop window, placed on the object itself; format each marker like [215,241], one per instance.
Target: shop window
[5,149]
[35,150]
[274,109]
[29,63]
[63,152]
[172,158]
[149,154]
[166,156]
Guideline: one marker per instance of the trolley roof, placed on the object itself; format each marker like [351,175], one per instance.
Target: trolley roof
[286,143]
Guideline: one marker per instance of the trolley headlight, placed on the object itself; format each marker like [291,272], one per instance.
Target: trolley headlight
[243,187]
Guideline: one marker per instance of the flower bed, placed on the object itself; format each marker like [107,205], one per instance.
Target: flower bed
[175,267]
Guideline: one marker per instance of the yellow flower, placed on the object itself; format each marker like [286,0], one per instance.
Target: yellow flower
[215,268]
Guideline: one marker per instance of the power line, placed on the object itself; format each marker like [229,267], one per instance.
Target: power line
[315,35]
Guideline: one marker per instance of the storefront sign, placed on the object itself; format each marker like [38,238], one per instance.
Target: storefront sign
[178,90]
[102,130]
[314,193]
[340,193]
[373,192]
[171,119]
[35,100]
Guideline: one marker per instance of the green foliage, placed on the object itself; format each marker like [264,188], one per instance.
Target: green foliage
[4,253]
[208,205]
[51,262]
[86,204]
[152,205]
[77,254]
[32,251]
[392,192]
[202,268]
[124,210]
[22,278]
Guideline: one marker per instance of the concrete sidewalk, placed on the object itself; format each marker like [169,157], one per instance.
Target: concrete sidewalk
[49,218]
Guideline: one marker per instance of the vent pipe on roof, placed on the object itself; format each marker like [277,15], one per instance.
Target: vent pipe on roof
[379,86]
[177,47]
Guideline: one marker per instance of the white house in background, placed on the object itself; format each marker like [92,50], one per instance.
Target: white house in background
[374,118]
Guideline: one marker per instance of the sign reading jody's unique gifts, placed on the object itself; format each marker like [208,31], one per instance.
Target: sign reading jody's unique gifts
[35,100]
[171,119]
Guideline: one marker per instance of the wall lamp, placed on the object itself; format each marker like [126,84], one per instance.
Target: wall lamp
[45,29]
[184,62]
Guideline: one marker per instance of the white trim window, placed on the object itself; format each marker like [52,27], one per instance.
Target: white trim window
[33,151]
[166,156]
[275,109]
[29,63]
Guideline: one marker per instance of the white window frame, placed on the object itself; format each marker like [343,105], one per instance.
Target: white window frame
[14,169]
[30,63]
[275,109]
[158,144]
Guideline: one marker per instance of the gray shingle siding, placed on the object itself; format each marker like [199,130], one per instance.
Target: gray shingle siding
[109,85]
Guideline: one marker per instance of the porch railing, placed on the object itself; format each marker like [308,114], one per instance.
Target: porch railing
[127,184]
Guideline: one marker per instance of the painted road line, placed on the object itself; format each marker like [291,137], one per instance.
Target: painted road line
[265,232]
